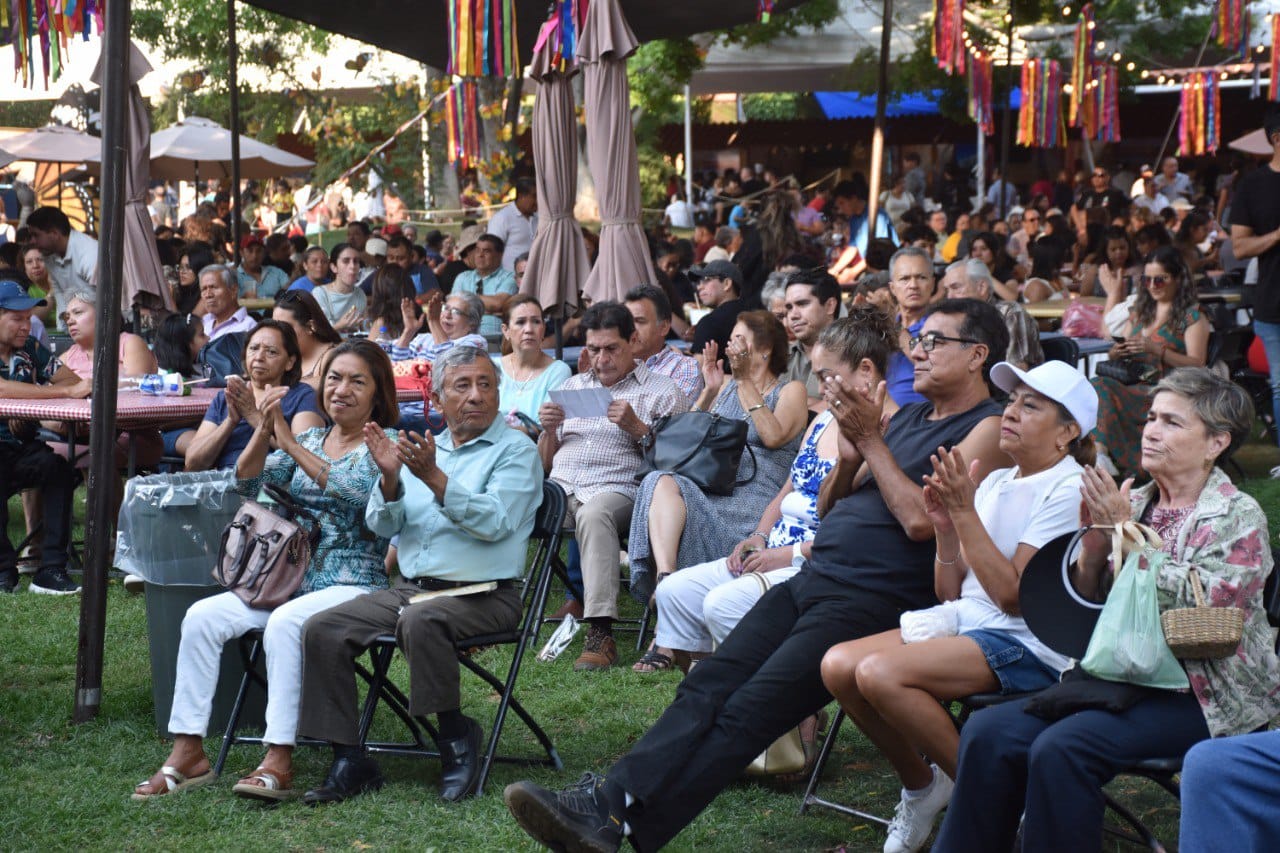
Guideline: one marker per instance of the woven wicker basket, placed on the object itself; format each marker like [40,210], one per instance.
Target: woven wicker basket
[1202,632]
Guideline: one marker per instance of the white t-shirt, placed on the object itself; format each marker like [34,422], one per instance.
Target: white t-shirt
[1014,510]
[516,231]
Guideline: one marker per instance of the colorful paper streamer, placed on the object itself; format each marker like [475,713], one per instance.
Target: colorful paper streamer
[462,123]
[948,35]
[49,27]
[1275,58]
[1038,118]
[1106,103]
[980,99]
[561,31]
[1082,66]
[482,38]
[1200,125]
[1230,20]
[764,10]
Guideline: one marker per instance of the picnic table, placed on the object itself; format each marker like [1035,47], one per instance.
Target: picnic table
[134,411]
[1053,309]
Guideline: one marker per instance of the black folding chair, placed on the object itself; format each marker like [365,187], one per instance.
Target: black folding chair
[642,626]
[1061,349]
[546,534]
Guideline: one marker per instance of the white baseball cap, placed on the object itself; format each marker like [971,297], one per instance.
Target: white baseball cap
[376,246]
[1058,381]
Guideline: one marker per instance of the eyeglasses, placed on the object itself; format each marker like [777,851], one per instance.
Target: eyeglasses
[452,311]
[929,341]
[1154,279]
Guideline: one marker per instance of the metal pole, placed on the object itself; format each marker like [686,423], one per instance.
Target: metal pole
[980,168]
[99,517]
[1006,123]
[688,147]
[233,59]
[877,136]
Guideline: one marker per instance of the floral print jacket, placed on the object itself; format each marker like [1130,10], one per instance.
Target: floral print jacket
[1226,539]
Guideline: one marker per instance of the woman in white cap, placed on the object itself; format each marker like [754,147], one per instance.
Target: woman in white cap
[895,685]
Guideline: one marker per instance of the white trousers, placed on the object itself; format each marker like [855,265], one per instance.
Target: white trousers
[211,622]
[700,605]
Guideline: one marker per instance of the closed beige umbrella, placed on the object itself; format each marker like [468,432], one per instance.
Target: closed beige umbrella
[623,261]
[558,264]
[143,281]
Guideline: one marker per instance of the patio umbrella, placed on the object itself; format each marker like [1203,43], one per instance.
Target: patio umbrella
[143,277]
[200,146]
[53,143]
[1253,142]
[558,264]
[623,260]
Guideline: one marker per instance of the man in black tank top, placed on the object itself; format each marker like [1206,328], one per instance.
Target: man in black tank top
[872,559]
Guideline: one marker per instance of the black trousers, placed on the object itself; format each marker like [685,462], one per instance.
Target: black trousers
[34,465]
[763,681]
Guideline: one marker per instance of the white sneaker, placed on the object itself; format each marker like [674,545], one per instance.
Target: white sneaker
[914,817]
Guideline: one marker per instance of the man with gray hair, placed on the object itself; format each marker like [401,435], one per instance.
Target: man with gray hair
[463,505]
[220,291]
[727,241]
[971,279]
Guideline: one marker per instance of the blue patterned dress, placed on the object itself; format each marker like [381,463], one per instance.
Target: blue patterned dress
[348,553]
[714,523]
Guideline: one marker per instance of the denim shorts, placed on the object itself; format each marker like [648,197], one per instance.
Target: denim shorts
[1018,670]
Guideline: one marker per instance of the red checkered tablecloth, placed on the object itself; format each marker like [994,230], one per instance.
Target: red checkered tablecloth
[133,410]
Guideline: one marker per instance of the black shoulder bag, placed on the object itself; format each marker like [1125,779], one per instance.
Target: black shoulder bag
[704,447]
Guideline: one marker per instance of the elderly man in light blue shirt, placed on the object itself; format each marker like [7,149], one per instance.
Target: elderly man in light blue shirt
[464,513]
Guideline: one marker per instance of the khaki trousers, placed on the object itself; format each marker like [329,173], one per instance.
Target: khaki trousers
[599,526]
[426,633]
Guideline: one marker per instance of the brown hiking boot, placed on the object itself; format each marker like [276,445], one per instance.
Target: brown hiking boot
[599,651]
[571,607]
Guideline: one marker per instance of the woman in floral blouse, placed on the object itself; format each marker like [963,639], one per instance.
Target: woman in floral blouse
[330,472]
[1050,773]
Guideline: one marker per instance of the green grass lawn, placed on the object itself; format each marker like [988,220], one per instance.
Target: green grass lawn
[67,786]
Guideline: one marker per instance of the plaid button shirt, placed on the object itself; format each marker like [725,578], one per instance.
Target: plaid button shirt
[680,367]
[596,455]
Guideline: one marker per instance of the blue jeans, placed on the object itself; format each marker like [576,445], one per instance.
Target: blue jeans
[1270,335]
[1016,668]
[1229,794]
[1012,763]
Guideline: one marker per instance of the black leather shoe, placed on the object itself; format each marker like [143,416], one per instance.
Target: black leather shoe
[460,759]
[348,777]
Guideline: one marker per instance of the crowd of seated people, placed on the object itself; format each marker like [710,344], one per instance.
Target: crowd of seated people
[908,415]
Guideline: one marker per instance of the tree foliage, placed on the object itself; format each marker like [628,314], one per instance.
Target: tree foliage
[196,30]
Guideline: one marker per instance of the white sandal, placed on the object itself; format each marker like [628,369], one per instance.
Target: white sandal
[275,787]
[174,781]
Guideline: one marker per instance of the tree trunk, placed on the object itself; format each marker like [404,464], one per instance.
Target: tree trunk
[587,207]
[442,178]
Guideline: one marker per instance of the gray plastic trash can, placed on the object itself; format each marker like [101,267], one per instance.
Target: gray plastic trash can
[169,533]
